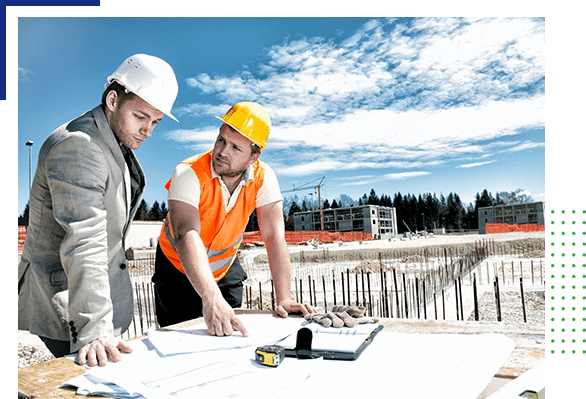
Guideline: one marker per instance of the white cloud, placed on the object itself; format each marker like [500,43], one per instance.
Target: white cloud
[357,182]
[527,145]
[473,165]
[395,94]
[404,175]
[355,177]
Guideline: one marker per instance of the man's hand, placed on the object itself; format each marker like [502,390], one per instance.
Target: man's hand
[287,306]
[99,351]
[220,318]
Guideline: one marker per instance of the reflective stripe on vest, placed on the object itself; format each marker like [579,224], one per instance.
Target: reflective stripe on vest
[214,265]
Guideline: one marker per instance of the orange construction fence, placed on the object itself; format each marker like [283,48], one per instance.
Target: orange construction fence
[292,237]
[508,228]
[296,237]
[21,236]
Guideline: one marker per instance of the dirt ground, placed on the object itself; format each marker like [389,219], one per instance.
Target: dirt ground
[524,245]
[529,245]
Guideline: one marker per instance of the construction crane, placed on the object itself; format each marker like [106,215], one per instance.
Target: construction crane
[410,232]
[308,186]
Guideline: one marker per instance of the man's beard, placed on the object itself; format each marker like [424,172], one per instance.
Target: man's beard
[228,172]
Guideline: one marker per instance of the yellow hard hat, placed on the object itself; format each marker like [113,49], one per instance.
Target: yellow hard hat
[250,120]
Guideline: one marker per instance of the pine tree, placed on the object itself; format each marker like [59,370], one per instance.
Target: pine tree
[23,219]
[155,213]
[372,198]
[455,212]
[432,208]
[142,211]
[289,220]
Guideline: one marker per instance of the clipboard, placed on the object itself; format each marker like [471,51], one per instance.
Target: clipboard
[344,343]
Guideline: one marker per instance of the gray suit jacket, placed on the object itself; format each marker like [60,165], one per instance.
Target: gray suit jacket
[73,283]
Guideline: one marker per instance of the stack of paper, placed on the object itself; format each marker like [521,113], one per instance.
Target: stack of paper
[188,364]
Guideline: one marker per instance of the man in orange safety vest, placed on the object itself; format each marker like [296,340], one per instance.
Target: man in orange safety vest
[211,196]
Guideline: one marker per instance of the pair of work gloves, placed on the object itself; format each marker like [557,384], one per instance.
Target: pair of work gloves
[340,316]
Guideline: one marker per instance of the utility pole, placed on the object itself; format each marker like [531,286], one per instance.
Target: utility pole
[29,144]
[311,210]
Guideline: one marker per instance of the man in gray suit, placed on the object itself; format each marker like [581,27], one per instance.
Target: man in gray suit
[74,289]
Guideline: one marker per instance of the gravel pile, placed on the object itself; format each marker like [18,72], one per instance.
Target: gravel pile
[512,307]
[29,355]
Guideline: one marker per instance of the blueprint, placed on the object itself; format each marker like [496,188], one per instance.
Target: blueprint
[451,366]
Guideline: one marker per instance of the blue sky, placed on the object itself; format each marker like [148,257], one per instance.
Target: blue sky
[424,105]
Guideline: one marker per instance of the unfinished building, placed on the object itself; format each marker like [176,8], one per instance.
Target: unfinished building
[511,214]
[380,221]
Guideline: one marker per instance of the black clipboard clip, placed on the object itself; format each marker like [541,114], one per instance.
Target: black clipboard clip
[303,344]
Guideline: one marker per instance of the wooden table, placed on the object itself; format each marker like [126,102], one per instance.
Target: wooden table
[44,380]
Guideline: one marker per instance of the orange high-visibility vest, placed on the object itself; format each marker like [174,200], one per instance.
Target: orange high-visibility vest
[221,233]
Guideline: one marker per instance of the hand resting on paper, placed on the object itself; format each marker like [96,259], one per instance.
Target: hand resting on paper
[99,351]
[286,306]
[220,317]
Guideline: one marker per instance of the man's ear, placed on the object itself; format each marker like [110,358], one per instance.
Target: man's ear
[112,100]
[254,157]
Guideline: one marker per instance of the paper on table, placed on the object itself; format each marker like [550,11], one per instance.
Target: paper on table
[451,366]
[415,366]
[262,331]
[89,384]
[227,373]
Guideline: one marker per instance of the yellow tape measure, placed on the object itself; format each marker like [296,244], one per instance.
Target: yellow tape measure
[270,355]
[529,394]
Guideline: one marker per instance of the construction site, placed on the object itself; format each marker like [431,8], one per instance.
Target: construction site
[496,277]
[463,282]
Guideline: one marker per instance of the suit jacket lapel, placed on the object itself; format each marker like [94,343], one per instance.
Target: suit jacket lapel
[124,158]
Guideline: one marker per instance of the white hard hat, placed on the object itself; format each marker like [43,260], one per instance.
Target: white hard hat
[150,78]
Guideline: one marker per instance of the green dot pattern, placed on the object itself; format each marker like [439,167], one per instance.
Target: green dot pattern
[565,318]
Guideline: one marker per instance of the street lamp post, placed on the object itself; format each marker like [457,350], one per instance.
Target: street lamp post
[29,144]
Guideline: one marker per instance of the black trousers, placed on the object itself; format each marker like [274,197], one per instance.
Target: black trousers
[56,347]
[175,298]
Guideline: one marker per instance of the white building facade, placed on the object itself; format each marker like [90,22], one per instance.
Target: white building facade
[380,221]
[532,212]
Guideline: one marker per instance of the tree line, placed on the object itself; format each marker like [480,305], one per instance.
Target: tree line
[155,213]
[414,212]
[417,212]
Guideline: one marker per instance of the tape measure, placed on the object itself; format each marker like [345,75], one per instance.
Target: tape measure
[270,355]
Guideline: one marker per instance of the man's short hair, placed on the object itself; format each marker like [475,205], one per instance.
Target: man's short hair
[119,89]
